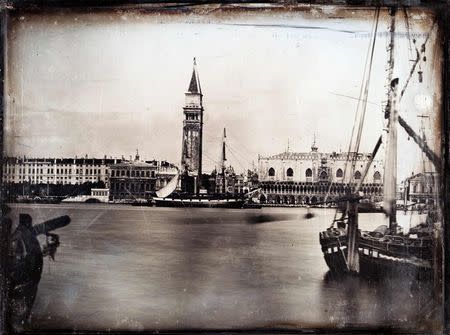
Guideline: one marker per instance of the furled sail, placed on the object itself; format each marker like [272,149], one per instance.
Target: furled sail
[169,188]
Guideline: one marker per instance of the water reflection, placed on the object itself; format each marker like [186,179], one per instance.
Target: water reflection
[130,268]
[390,302]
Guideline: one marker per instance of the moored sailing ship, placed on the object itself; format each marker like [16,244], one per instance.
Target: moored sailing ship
[386,250]
[180,200]
[167,197]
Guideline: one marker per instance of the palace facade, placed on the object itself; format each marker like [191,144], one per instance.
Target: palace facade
[65,171]
[136,179]
[310,177]
[132,179]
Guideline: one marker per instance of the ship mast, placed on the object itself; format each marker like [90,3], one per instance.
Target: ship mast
[223,160]
[391,113]
[352,260]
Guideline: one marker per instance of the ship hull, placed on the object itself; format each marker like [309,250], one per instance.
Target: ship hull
[377,268]
[374,267]
[372,263]
[336,262]
[199,202]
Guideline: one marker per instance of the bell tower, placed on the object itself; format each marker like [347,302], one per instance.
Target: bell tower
[191,158]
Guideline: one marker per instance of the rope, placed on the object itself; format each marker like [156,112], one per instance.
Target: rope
[242,145]
[366,92]
[237,159]
[363,93]
[408,31]
[358,105]
[209,157]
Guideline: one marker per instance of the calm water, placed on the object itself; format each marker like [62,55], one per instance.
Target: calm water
[123,267]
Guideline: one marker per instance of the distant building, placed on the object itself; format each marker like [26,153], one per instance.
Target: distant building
[230,180]
[308,177]
[136,179]
[25,176]
[64,171]
[401,191]
[246,182]
[252,181]
[422,187]
[165,172]
[97,195]
[234,183]
[100,193]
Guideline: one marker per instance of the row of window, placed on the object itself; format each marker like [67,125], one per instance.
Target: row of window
[317,189]
[130,187]
[133,173]
[47,165]
[103,193]
[192,117]
[58,171]
[324,174]
[422,188]
[50,177]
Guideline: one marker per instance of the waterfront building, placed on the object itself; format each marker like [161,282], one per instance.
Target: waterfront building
[24,176]
[309,177]
[234,183]
[422,187]
[246,182]
[56,171]
[165,172]
[135,179]
[231,180]
[100,193]
[252,180]
[191,157]
[401,190]
[97,195]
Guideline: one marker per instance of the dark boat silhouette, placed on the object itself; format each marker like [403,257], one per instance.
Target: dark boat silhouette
[386,251]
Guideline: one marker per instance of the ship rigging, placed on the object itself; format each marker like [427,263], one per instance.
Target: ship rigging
[385,250]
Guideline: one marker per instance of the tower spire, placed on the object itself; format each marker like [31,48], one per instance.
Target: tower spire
[314,146]
[194,84]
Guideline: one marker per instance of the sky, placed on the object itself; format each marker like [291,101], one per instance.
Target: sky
[108,83]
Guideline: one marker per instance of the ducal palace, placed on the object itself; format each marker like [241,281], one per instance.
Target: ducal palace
[310,177]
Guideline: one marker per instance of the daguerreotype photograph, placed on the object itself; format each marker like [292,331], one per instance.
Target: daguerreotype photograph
[223,167]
